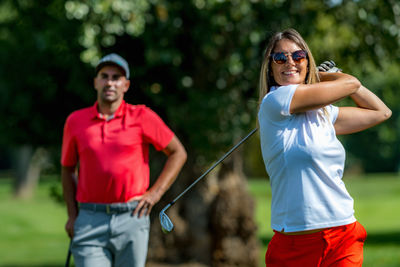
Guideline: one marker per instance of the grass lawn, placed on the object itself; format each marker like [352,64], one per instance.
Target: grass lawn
[32,234]
[31,231]
[377,207]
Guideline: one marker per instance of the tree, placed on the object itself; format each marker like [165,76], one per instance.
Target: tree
[38,85]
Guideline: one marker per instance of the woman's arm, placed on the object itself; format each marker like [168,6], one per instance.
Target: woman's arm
[370,111]
[332,88]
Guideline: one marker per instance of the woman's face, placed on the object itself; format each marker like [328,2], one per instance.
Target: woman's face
[289,72]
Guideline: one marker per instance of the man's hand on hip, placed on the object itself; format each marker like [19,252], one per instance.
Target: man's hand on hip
[146,203]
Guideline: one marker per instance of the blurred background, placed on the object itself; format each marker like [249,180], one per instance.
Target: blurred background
[196,63]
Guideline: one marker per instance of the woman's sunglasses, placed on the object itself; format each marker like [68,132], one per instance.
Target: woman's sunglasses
[281,57]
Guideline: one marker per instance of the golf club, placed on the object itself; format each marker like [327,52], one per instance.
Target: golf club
[166,223]
[68,255]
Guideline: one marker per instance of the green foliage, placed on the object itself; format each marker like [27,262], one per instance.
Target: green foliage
[195,62]
[103,20]
[378,148]
[41,74]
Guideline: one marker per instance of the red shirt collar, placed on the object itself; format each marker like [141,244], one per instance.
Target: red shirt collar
[119,113]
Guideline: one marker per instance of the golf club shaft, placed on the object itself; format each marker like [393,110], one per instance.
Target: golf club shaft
[211,168]
[68,255]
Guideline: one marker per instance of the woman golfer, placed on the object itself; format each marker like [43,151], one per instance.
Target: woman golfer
[312,212]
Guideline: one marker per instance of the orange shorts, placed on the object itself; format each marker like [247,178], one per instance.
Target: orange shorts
[340,246]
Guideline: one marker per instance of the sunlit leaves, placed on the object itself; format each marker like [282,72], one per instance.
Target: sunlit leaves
[196,61]
[104,20]
[7,12]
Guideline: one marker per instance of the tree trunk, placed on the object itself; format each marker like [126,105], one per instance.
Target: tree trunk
[232,219]
[28,163]
[213,224]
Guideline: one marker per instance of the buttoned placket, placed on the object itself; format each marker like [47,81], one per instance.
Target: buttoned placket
[104,126]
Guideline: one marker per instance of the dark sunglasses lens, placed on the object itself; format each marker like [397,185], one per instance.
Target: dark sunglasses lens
[279,58]
[298,56]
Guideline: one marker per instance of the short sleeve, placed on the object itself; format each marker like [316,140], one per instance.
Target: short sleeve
[276,104]
[155,131]
[333,112]
[69,153]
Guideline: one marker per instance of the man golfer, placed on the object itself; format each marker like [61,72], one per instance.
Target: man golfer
[105,172]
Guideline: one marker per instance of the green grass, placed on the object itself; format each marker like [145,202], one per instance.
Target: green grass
[377,207]
[32,232]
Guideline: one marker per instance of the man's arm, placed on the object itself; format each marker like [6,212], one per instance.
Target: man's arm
[176,154]
[69,183]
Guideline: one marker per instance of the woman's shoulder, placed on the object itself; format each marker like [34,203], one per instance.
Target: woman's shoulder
[277,102]
[280,93]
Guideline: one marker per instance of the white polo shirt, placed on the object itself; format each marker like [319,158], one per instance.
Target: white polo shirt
[305,162]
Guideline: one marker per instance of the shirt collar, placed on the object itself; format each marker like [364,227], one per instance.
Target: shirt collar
[273,88]
[119,113]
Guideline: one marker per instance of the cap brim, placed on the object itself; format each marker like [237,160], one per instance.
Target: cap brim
[109,63]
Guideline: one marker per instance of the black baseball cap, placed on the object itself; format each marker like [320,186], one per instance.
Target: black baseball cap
[114,59]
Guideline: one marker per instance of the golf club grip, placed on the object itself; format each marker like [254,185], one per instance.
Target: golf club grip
[213,166]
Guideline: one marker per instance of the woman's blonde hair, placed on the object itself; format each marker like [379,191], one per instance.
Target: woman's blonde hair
[266,77]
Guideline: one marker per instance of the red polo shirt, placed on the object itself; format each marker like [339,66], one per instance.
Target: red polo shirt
[113,155]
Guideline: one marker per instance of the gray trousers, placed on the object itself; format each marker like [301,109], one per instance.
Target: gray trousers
[110,238]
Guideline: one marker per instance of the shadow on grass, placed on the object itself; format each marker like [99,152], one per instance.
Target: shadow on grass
[372,239]
[383,238]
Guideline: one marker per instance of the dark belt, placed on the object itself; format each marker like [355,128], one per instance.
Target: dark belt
[110,208]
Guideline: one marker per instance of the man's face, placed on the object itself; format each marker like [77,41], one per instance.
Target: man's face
[110,84]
